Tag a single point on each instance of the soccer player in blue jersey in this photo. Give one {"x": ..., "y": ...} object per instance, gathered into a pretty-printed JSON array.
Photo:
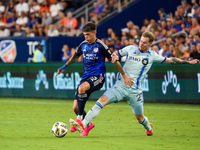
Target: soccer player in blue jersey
[
  {"x": 94, "y": 52},
  {"x": 139, "y": 61}
]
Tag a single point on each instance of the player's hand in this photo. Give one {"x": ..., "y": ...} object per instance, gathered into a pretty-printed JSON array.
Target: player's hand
[
  {"x": 194, "y": 61},
  {"x": 128, "y": 80},
  {"x": 114, "y": 58},
  {"x": 59, "y": 72},
  {"x": 61, "y": 69}
]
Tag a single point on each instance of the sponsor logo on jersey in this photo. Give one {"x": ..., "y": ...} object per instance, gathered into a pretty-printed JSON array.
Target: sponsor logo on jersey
[
  {"x": 8, "y": 51},
  {"x": 145, "y": 61},
  {"x": 134, "y": 58}
]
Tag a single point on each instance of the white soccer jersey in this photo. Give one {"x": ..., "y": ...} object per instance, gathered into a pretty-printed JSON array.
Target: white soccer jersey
[{"x": 137, "y": 64}]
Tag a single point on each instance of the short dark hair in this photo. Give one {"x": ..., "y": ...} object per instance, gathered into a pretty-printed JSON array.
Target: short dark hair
[{"x": 90, "y": 26}]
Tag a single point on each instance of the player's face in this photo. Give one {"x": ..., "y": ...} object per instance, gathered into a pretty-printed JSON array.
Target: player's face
[
  {"x": 90, "y": 37},
  {"x": 144, "y": 44}
]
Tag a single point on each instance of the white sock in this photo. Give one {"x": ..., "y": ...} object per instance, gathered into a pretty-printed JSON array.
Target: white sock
[
  {"x": 80, "y": 117},
  {"x": 145, "y": 124},
  {"x": 94, "y": 112}
]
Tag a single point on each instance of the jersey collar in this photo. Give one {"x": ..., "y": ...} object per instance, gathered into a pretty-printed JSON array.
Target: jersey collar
[
  {"x": 144, "y": 52},
  {"x": 94, "y": 42}
]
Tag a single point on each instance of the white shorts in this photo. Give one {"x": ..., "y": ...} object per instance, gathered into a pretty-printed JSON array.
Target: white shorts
[{"x": 119, "y": 92}]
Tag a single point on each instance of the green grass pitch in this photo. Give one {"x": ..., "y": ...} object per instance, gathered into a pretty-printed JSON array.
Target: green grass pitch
[{"x": 25, "y": 124}]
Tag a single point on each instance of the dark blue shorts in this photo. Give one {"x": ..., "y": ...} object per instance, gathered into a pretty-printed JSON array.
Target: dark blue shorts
[{"x": 96, "y": 83}]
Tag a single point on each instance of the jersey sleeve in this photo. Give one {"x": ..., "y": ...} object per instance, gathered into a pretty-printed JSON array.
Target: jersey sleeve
[
  {"x": 158, "y": 58},
  {"x": 106, "y": 51},
  {"x": 79, "y": 51},
  {"x": 123, "y": 52}
]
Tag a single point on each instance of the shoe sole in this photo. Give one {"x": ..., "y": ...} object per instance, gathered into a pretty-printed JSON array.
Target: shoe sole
[{"x": 76, "y": 125}]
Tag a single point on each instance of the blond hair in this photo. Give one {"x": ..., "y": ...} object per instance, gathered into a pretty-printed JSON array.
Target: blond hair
[{"x": 149, "y": 35}]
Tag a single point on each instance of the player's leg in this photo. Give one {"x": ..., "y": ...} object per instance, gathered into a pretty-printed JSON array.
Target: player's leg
[
  {"x": 91, "y": 84},
  {"x": 145, "y": 123},
  {"x": 82, "y": 97},
  {"x": 136, "y": 103},
  {"x": 95, "y": 110},
  {"x": 79, "y": 104},
  {"x": 114, "y": 94},
  {"x": 75, "y": 107},
  {"x": 86, "y": 125}
]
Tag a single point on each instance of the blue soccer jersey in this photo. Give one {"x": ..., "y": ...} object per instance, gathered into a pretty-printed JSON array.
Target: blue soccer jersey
[{"x": 93, "y": 58}]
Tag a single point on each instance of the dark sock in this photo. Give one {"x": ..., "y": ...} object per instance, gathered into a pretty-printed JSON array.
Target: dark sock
[{"x": 81, "y": 99}]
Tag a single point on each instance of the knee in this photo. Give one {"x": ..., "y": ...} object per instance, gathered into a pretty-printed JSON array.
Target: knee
[{"x": 81, "y": 90}]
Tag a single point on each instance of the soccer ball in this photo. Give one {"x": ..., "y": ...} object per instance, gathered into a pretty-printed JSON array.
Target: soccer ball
[{"x": 59, "y": 129}]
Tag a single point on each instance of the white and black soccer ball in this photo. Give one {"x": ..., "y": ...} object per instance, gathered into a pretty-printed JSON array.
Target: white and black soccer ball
[{"x": 59, "y": 129}]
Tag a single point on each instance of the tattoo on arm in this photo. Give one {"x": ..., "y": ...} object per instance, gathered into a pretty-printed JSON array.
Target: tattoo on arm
[
  {"x": 73, "y": 59},
  {"x": 119, "y": 67},
  {"x": 178, "y": 61}
]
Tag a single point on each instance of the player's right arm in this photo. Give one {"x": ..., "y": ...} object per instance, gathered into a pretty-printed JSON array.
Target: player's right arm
[{"x": 73, "y": 59}]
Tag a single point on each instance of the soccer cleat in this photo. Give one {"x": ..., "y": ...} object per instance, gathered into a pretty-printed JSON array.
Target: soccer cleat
[
  {"x": 150, "y": 133},
  {"x": 87, "y": 129},
  {"x": 77, "y": 124},
  {"x": 72, "y": 128}
]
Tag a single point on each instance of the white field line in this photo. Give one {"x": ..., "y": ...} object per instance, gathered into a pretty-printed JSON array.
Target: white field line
[{"x": 112, "y": 105}]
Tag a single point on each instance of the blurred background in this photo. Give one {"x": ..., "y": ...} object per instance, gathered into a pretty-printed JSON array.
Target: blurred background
[{"x": 54, "y": 27}]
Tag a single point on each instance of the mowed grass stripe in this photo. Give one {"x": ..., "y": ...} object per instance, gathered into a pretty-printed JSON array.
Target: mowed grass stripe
[
  {"x": 70, "y": 103},
  {"x": 26, "y": 125}
]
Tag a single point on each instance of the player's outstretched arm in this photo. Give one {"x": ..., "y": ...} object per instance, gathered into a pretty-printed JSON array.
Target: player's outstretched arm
[
  {"x": 73, "y": 59},
  {"x": 127, "y": 80},
  {"x": 180, "y": 61}
]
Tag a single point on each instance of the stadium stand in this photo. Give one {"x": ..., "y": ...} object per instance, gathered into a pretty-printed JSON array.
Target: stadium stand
[{"x": 29, "y": 18}]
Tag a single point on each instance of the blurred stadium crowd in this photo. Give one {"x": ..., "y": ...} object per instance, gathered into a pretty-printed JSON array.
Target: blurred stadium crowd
[{"x": 30, "y": 18}]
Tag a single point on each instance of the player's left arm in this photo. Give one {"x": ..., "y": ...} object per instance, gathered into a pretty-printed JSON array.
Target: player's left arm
[{"x": 180, "y": 61}]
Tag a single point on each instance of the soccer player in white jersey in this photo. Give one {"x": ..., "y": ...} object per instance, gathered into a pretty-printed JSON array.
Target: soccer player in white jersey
[{"x": 139, "y": 61}]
